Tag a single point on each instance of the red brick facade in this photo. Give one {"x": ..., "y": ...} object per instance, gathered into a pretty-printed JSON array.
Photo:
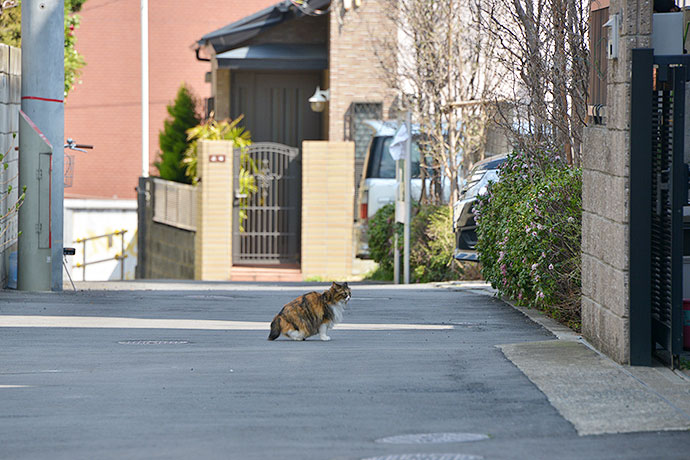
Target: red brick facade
[{"x": 105, "y": 109}]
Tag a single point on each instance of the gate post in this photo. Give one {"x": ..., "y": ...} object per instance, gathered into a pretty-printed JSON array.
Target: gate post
[
  {"x": 213, "y": 243},
  {"x": 641, "y": 207},
  {"x": 328, "y": 189}
]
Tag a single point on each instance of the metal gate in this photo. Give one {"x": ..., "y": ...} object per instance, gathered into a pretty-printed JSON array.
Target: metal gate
[
  {"x": 267, "y": 205},
  {"x": 657, "y": 200}
]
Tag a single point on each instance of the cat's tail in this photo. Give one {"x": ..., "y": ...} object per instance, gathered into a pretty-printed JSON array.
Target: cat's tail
[{"x": 275, "y": 329}]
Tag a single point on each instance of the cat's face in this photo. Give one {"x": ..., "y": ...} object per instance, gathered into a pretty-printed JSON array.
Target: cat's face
[{"x": 341, "y": 292}]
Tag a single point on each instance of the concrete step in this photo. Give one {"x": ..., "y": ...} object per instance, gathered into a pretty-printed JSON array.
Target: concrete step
[{"x": 266, "y": 273}]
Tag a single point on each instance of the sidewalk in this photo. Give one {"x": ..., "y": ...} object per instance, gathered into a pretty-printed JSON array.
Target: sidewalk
[{"x": 594, "y": 393}]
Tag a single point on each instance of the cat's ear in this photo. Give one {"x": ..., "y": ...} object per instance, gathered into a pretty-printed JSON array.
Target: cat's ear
[
  {"x": 345, "y": 284},
  {"x": 336, "y": 284}
]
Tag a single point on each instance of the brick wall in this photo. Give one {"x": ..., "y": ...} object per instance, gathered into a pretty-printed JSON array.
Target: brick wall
[
  {"x": 303, "y": 30},
  {"x": 355, "y": 74},
  {"x": 105, "y": 107},
  {"x": 327, "y": 214},
  {"x": 10, "y": 99},
  {"x": 605, "y": 197}
]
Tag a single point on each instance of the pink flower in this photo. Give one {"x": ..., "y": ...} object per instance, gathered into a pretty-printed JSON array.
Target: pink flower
[{"x": 550, "y": 266}]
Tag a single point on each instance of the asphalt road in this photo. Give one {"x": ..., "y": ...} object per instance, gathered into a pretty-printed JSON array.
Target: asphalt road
[{"x": 146, "y": 393}]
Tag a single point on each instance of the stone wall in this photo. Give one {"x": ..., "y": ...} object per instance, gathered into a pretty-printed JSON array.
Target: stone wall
[
  {"x": 10, "y": 101},
  {"x": 327, "y": 215},
  {"x": 605, "y": 197}
]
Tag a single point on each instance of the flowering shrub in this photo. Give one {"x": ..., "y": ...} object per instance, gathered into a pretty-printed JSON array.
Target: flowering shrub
[{"x": 529, "y": 227}]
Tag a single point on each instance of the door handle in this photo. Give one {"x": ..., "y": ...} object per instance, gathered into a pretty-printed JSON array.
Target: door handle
[{"x": 238, "y": 197}]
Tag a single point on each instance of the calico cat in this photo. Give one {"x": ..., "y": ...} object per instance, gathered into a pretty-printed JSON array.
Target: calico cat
[{"x": 311, "y": 313}]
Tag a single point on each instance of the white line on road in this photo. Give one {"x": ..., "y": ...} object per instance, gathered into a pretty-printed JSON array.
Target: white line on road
[{"x": 146, "y": 323}]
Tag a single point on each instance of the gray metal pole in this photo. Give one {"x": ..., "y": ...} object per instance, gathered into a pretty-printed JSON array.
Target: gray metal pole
[
  {"x": 398, "y": 199},
  {"x": 408, "y": 199},
  {"x": 43, "y": 80}
]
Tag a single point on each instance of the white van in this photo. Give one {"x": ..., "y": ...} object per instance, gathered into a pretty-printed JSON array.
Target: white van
[{"x": 377, "y": 186}]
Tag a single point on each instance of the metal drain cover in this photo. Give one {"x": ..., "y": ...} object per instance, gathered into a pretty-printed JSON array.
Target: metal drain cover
[
  {"x": 427, "y": 457},
  {"x": 431, "y": 438},
  {"x": 153, "y": 342}
]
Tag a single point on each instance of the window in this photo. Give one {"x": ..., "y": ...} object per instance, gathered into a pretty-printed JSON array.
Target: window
[{"x": 598, "y": 39}]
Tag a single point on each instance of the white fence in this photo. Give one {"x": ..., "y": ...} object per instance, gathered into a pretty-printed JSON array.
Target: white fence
[{"x": 174, "y": 204}]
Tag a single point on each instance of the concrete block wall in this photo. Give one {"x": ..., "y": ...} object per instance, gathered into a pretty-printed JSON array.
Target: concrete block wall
[
  {"x": 213, "y": 244},
  {"x": 164, "y": 251},
  {"x": 171, "y": 253},
  {"x": 355, "y": 73},
  {"x": 327, "y": 214},
  {"x": 10, "y": 101},
  {"x": 605, "y": 197}
]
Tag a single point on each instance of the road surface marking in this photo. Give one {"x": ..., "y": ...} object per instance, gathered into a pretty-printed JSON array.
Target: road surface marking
[{"x": 146, "y": 323}]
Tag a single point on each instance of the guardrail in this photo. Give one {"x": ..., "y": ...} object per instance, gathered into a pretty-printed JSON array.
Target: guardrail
[{"x": 121, "y": 256}]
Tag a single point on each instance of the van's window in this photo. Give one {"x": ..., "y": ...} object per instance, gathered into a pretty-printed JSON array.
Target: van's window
[{"x": 381, "y": 164}]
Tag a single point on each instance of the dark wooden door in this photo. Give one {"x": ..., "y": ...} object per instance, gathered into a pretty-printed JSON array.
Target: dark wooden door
[{"x": 276, "y": 105}]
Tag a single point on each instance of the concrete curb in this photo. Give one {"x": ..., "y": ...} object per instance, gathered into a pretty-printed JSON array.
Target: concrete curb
[{"x": 590, "y": 390}]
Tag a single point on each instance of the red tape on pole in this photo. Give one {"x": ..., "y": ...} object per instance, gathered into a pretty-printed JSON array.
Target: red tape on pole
[{"x": 43, "y": 99}]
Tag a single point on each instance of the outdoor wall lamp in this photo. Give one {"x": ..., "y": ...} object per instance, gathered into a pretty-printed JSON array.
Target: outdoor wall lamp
[{"x": 319, "y": 100}]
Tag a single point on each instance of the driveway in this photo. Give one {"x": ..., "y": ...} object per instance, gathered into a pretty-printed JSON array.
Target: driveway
[{"x": 185, "y": 371}]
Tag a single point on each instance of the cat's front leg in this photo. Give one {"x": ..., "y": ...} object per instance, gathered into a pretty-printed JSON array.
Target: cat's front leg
[{"x": 323, "y": 332}]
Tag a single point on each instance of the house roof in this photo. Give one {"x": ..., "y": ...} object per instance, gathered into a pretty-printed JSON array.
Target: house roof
[
  {"x": 275, "y": 56},
  {"x": 233, "y": 34}
]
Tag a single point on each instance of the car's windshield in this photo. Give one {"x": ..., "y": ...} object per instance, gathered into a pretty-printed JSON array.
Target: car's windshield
[
  {"x": 479, "y": 187},
  {"x": 381, "y": 164}
]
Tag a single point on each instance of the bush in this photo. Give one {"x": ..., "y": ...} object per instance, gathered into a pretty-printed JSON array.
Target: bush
[
  {"x": 173, "y": 139},
  {"x": 529, "y": 228},
  {"x": 380, "y": 231},
  {"x": 432, "y": 244}
]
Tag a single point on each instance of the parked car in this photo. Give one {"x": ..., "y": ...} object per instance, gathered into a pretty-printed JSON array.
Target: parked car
[
  {"x": 464, "y": 226},
  {"x": 377, "y": 186}
]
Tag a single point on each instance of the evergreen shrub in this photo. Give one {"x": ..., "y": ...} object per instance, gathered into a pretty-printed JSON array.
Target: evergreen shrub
[
  {"x": 173, "y": 140},
  {"x": 431, "y": 247}
]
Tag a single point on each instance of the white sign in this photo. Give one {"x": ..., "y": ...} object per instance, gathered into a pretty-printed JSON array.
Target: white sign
[{"x": 398, "y": 148}]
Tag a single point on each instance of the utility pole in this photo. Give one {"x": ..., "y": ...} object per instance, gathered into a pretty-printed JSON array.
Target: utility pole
[
  {"x": 144, "y": 6},
  {"x": 42, "y": 127}
]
